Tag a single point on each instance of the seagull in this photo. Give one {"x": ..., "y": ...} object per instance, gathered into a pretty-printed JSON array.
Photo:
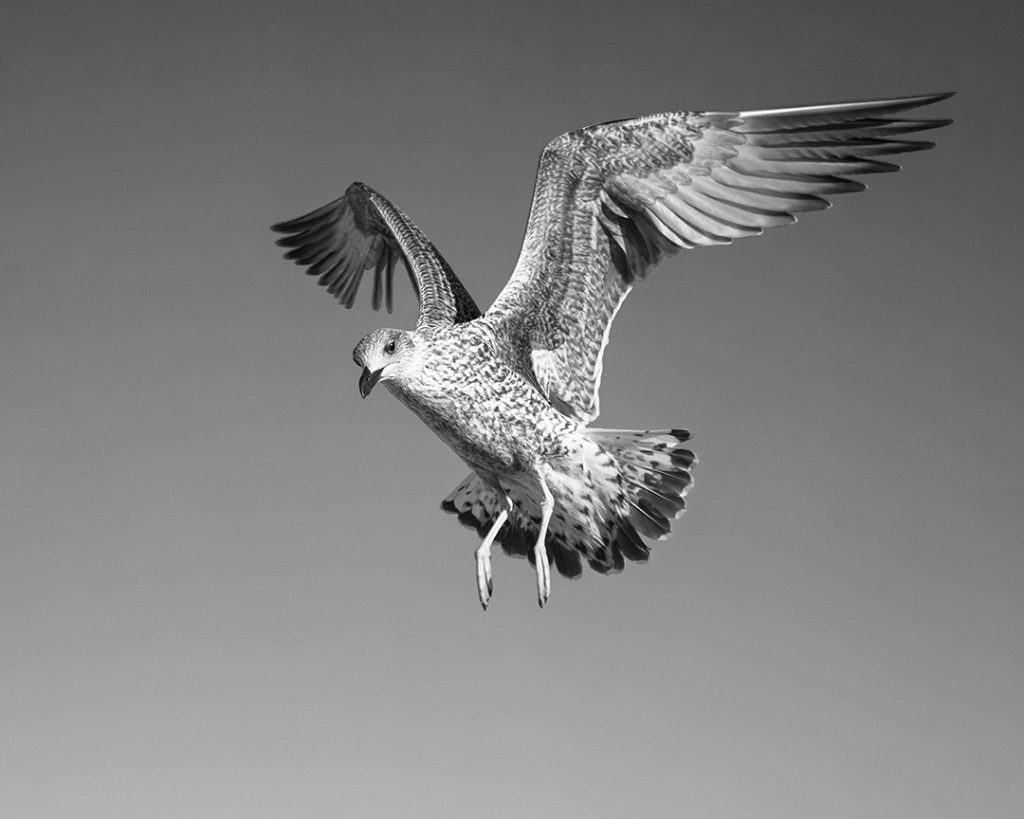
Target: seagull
[{"x": 513, "y": 390}]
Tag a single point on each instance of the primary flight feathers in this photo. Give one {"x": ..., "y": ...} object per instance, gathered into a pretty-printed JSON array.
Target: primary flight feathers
[
  {"x": 610, "y": 200},
  {"x": 362, "y": 231}
]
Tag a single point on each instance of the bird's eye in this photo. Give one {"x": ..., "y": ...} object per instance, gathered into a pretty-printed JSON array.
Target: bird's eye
[{"x": 389, "y": 348}]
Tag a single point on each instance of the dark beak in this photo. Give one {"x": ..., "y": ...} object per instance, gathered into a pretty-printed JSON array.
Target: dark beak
[{"x": 368, "y": 380}]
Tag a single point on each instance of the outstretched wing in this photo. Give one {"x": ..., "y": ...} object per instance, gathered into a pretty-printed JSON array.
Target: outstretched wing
[
  {"x": 612, "y": 199},
  {"x": 362, "y": 231}
]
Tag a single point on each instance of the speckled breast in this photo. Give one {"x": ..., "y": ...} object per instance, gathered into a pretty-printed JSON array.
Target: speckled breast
[{"x": 485, "y": 411}]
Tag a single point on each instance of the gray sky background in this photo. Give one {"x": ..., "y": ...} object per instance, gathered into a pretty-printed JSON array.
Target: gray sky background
[{"x": 225, "y": 585}]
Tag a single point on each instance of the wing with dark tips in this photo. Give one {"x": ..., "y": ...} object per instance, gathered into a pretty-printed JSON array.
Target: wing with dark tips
[
  {"x": 611, "y": 200},
  {"x": 363, "y": 231}
]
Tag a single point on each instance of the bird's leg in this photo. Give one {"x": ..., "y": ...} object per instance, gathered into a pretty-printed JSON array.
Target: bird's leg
[
  {"x": 540, "y": 552},
  {"x": 483, "y": 556}
]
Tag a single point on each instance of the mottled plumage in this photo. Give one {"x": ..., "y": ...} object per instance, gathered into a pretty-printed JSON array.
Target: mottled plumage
[{"x": 512, "y": 390}]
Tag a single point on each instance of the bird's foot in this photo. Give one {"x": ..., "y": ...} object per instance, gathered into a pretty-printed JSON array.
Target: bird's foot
[
  {"x": 483, "y": 556},
  {"x": 484, "y": 586},
  {"x": 540, "y": 555}
]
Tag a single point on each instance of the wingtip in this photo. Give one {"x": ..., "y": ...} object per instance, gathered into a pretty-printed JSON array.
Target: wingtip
[
  {"x": 875, "y": 107},
  {"x": 922, "y": 100},
  {"x": 295, "y": 225},
  {"x": 919, "y": 99}
]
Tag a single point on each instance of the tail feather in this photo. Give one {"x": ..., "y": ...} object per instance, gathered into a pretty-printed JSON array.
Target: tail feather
[
  {"x": 666, "y": 505},
  {"x": 655, "y": 458},
  {"x": 654, "y": 469},
  {"x": 648, "y": 521},
  {"x": 630, "y": 543},
  {"x": 567, "y": 561},
  {"x": 631, "y": 486},
  {"x": 473, "y": 502}
]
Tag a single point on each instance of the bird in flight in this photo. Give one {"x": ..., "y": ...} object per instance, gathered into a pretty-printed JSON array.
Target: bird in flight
[{"x": 513, "y": 390}]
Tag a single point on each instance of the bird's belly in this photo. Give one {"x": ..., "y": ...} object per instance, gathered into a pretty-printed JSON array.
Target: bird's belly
[{"x": 490, "y": 432}]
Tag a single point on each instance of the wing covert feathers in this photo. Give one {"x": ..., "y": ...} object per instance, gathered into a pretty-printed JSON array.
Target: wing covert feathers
[
  {"x": 363, "y": 231},
  {"x": 611, "y": 200}
]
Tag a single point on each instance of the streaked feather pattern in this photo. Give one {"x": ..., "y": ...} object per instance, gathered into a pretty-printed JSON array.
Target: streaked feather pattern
[
  {"x": 361, "y": 231},
  {"x": 612, "y": 199}
]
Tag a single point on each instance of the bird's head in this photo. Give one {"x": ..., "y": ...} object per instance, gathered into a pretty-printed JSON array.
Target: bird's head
[{"x": 383, "y": 355}]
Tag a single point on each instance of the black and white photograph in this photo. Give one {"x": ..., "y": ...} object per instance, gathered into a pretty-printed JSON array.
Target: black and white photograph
[{"x": 565, "y": 409}]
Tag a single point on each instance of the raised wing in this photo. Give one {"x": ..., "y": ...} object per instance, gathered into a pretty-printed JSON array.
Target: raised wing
[
  {"x": 363, "y": 231},
  {"x": 612, "y": 199}
]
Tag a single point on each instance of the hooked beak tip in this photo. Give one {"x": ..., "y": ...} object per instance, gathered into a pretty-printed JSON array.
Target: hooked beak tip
[{"x": 368, "y": 380}]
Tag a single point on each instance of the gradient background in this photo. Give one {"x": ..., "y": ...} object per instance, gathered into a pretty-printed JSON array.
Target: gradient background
[{"x": 226, "y": 588}]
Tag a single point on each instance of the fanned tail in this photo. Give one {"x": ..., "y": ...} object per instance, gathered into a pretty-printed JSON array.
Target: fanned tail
[
  {"x": 631, "y": 483},
  {"x": 654, "y": 468}
]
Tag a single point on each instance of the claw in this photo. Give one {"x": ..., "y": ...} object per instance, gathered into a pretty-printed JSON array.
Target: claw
[
  {"x": 483, "y": 576},
  {"x": 484, "y": 584},
  {"x": 543, "y": 574},
  {"x": 540, "y": 552}
]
